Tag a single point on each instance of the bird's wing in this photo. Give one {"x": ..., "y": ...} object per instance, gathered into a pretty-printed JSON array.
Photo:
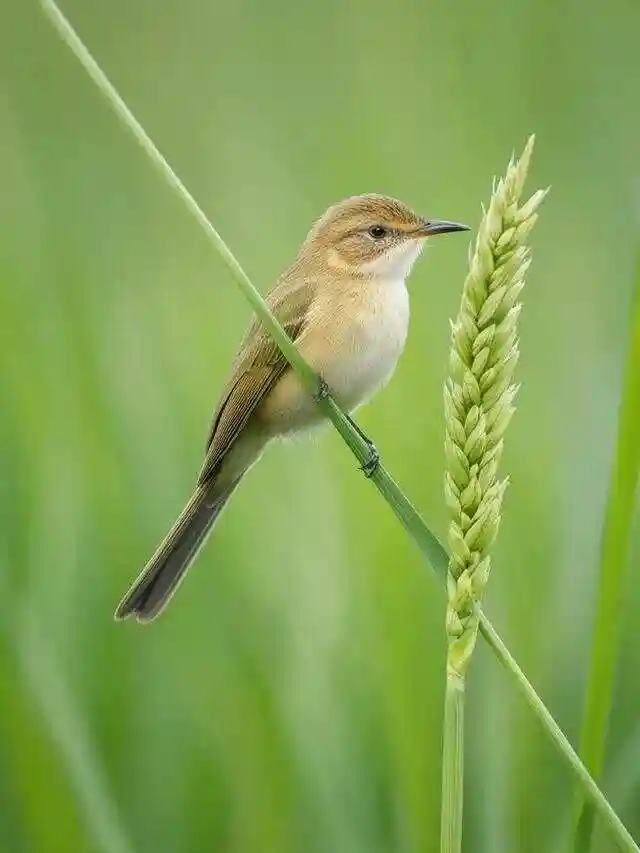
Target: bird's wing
[{"x": 257, "y": 367}]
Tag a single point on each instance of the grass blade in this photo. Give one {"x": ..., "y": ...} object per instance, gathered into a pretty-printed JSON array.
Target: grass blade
[
  {"x": 65, "y": 725},
  {"x": 618, "y": 831},
  {"x": 613, "y": 561}
]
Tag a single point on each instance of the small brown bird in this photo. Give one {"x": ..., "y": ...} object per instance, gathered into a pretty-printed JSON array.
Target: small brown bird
[{"x": 345, "y": 304}]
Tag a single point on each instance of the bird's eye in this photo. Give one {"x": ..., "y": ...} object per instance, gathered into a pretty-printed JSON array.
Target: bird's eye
[{"x": 377, "y": 232}]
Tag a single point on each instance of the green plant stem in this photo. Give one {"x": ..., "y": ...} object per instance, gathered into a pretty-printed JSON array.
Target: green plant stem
[
  {"x": 61, "y": 717},
  {"x": 452, "y": 765},
  {"x": 613, "y": 562},
  {"x": 619, "y": 832},
  {"x": 411, "y": 520}
]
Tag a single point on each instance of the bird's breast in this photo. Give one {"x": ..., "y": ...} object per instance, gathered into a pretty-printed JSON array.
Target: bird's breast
[
  {"x": 353, "y": 337},
  {"x": 365, "y": 338}
]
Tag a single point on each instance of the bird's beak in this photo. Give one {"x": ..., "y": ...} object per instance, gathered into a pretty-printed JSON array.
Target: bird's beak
[{"x": 431, "y": 227}]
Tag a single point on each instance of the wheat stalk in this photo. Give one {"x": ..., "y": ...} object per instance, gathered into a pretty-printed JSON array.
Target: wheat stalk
[
  {"x": 478, "y": 398},
  {"x": 478, "y": 405}
]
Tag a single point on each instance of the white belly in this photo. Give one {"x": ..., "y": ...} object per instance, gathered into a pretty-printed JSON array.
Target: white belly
[
  {"x": 354, "y": 342},
  {"x": 366, "y": 348}
]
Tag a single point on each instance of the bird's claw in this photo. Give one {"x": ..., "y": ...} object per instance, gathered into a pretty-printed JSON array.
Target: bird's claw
[
  {"x": 322, "y": 390},
  {"x": 370, "y": 464}
]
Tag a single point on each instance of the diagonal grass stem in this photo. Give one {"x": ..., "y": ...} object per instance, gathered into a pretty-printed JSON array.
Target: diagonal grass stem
[{"x": 613, "y": 562}]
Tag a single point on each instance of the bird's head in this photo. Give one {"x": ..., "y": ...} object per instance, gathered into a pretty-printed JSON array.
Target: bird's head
[{"x": 372, "y": 235}]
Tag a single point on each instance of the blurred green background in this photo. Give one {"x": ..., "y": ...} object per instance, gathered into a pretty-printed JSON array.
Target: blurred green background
[{"x": 291, "y": 698}]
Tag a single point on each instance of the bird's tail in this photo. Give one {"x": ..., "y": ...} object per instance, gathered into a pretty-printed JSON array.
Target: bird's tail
[{"x": 161, "y": 576}]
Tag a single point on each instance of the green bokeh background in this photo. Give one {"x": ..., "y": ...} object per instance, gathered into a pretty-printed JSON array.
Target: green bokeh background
[{"x": 291, "y": 698}]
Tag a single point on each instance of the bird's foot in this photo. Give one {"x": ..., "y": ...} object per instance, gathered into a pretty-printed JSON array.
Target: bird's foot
[
  {"x": 371, "y": 463},
  {"x": 322, "y": 391}
]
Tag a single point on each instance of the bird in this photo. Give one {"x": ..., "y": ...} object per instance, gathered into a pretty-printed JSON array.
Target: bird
[{"x": 344, "y": 303}]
